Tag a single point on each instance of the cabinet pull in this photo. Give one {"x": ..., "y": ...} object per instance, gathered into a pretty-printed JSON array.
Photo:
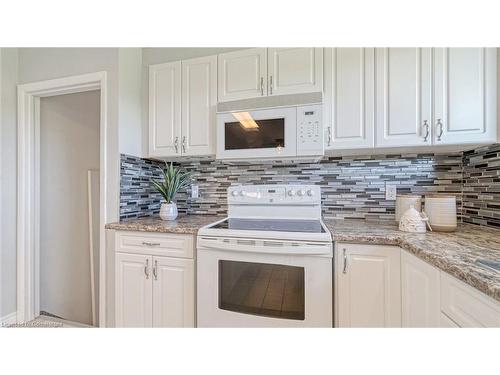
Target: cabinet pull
[
  {"x": 270, "y": 85},
  {"x": 176, "y": 145},
  {"x": 146, "y": 269},
  {"x": 261, "y": 86},
  {"x": 184, "y": 144},
  {"x": 155, "y": 270},
  {"x": 440, "y": 127},
  {"x": 426, "y": 126},
  {"x": 345, "y": 263},
  {"x": 151, "y": 243},
  {"x": 329, "y": 135}
]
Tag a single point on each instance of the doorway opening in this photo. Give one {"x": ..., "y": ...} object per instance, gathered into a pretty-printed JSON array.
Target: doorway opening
[{"x": 62, "y": 127}]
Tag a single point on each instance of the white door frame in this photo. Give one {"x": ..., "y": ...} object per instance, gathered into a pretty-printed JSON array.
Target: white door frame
[{"x": 28, "y": 186}]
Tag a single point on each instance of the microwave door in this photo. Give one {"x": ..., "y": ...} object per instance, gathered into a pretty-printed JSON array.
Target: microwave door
[{"x": 265, "y": 133}]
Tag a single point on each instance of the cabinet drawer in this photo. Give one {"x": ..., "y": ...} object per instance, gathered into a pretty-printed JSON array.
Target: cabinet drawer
[
  {"x": 163, "y": 244},
  {"x": 467, "y": 306}
]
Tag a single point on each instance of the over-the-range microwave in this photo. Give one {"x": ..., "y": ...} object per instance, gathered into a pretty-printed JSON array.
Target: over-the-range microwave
[{"x": 291, "y": 132}]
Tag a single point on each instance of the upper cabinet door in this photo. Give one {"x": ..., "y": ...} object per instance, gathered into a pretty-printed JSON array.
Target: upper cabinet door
[
  {"x": 173, "y": 292},
  {"x": 199, "y": 99},
  {"x": 403, "y": 97},
  {"x": 242, "y": 74},
  {"x": 295, "y": 70},
  {"x": 133, "y": 290},
  {"x": 368, "y": 285},
  {"x": 465, "y": 95},
  {"x": 349, "y": 97},
  {"x": 165, "y": 109}
]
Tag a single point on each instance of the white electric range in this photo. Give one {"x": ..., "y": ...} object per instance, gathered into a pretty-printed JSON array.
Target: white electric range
[{"x": 269, "y": 263}]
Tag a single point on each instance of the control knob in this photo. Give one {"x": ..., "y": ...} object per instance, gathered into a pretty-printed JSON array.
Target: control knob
[
  {"x": 300, "y": 193},
  {"x": 291, "y": 193},
  {"x": 234, "y": 193},
  {"x": 242, "y": 193},
  {"x": 310, "y": 193}
]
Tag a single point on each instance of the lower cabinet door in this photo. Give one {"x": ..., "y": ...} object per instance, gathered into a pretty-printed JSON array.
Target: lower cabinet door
[
  {"x": 368, "y": 285},
  {"x": 133, "y": 288},
  {"x": 173, "y": 292},
  {"x": 419, "y": 292}
]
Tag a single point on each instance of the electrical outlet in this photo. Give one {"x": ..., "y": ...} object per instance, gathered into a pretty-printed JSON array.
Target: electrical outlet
[
  {"x": 195, "y": 192},
  {"x": 390, "y": 192}
]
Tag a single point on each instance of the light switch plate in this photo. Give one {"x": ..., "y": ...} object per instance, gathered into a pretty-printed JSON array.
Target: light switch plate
[
  {"x": 195, "y": 192},
  {"x": 390, "y": 192}
]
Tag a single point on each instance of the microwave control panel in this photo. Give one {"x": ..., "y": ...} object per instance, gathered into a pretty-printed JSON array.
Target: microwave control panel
[{"x": 309, "y": 130}]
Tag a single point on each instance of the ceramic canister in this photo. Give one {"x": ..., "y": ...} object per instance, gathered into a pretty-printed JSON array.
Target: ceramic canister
[
  {"x": 442, "y": 212},
  {"x": 404, "y": 202}
]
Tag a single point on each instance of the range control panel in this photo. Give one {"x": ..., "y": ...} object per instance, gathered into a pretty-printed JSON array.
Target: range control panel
[
  {"x": 309, "y": 130},
  {"x": 274, "y": 194}
]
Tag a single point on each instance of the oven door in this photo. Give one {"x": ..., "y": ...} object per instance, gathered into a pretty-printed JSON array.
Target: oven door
[
  {"x": 267, "y": 133},
  {"x": 242, "y": 288}
]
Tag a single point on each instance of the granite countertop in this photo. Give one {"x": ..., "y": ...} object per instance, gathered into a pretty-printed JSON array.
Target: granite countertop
[
  {"x": 184, "y": 224},
  {"x": 453, "y": 252}
]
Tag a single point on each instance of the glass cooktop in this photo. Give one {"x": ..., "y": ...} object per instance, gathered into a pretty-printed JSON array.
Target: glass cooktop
[{"x": 275, "y": 225}]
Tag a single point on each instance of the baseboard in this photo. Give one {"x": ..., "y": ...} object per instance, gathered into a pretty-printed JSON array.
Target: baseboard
[{"x": 8, "y": 319}]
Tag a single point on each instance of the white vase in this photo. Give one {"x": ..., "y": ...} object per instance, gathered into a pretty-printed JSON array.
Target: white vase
[{"x": 168, "y": 211}]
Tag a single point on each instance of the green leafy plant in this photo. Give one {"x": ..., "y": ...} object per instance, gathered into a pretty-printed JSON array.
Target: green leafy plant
[{"x": 175, "y": 179}]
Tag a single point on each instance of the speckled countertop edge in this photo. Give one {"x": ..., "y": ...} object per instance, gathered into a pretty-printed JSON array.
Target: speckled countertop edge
[{"x": 453, "y": 253}]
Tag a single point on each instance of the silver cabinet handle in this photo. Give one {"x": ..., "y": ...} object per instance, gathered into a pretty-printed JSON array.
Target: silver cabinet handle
[
  {"x": 261, "y": 86},
  {"x": 151, "y": 243},
  {"x": 270, "y": 85},
  {"x": 329, "y": 135},
  {"x": 439, "y": 125},
  {"x": 184, "y": 144},
  {"x": 146, "y": 269},
  {"x": 176, "y": 145},
  {"x": 345, "y": 263},
  {"x": 155, "y": 270},
  {"x": 426, "y": 126}
]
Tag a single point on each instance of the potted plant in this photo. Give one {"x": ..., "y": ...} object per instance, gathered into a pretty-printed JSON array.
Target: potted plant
[{"x": 175, "y": 179}]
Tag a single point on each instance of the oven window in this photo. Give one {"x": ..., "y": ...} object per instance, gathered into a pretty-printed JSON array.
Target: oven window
[
  {"x": 247, "y": 133},
  {"x": 263, "y": 289}
]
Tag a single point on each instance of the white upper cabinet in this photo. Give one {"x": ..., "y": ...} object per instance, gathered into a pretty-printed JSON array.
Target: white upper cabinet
[
  {"x": 349, "y": 97},
  {"x": 465, "y": 95},
  {"x": 182, "y": 105},
  {"x": 403, "y": 97},
  {"x": 242, "y": 74},
  {"x": 295, "y": 70},
  {"x": 199, "y": 99},
  {"x": 173, "y": 292},
  {"x": 420, "y": 283},
  {"x": 165, "y": 109},
  {"x": 256, "y": 72},
  {"x": 368, "y": 285}
]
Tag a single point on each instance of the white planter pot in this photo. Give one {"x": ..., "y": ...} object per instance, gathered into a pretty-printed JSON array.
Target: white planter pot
[{"x": 168, "y": 211}]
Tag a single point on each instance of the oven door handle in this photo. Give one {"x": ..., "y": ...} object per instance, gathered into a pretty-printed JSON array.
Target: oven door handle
[{"x": 264, "y": 246}]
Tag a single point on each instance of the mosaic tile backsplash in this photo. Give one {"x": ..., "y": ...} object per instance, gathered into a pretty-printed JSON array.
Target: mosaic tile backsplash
[
  {"x": 137, "y": 197},
  {"x": 481, "y": 186},
  {"x": 352, "y": 187}
]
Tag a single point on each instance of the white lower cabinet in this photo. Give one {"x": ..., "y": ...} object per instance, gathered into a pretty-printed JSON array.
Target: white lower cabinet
[
  {"x": 419, "y": 292},
  {"x": 133, "y": 290},
  {"x": 153, "y": 290},
  {"x": 385, "y": 286},
  {"x": 368, "y": 286}
]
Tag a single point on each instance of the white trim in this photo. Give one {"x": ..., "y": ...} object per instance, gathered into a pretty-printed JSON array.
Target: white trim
[
  {"x": 28, "y": 213},
  {"x": 8, "y": 319}
]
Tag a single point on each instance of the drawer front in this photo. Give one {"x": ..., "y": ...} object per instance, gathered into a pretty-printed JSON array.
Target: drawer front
[
  {"x": 467, "y": 306},
  {"x": 162, "y": 244}
]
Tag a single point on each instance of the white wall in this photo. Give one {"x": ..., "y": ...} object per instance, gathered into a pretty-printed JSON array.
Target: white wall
[
  {"x": 8, "y": 149},
  {"x": 69, "y": 148}
]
